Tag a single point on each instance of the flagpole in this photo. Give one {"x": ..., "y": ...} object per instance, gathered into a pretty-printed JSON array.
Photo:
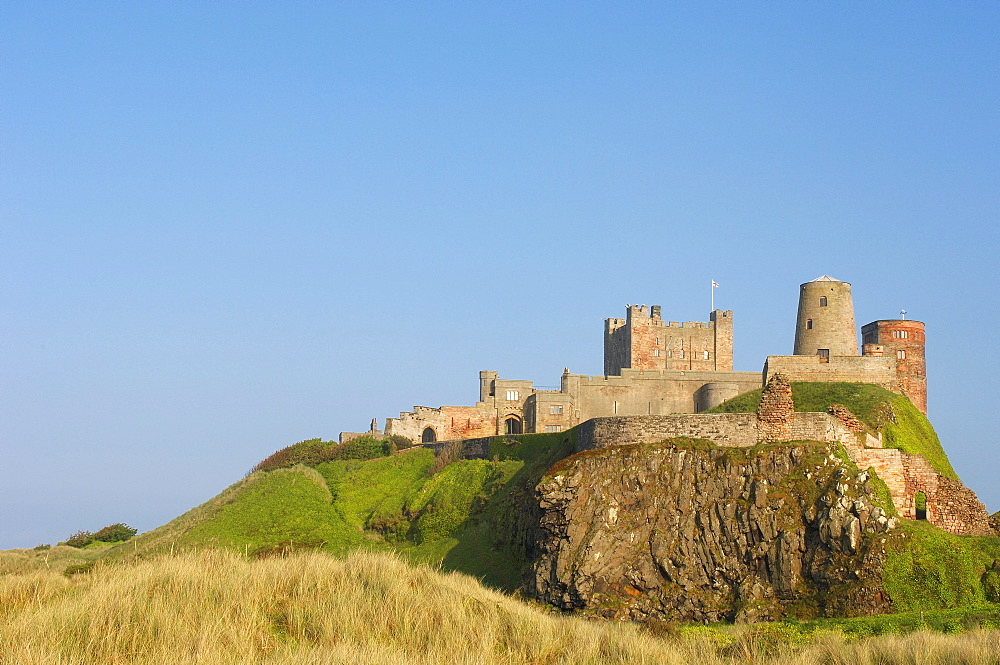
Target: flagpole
[{"x": 713, "y": 296}]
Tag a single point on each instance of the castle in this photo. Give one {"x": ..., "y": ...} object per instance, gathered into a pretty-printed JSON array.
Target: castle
[
  {"x": 660, "y": 376},
  {"x": 658, "y": 367}
]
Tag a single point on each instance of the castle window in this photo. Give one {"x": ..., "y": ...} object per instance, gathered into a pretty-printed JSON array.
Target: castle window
[
  {"x": 552, "y": 428},
  {"x": 682, "y": 354},
  {"x": 900, "y": 334},
  {"x": 809, "y": 324},
  {"x": 822, "y": 301},
  {"x": 901, "y": 354},
  {"x": 513, "y": 425},
  {"x": 824, "y": 355},
  {"x": 670, "y": 353},
  {"x": 556, "y": 409},
  {"x": 656, "y": 352},
  {"x": 512, "y": 396},
  {"x": 706, "y": 355}
]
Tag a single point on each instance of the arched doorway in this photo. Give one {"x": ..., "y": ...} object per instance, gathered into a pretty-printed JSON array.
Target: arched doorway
[
  {"x": 920, "y": 506},
  {"x": 513, "y": 425},
  {"x": 428, "y": 436}
]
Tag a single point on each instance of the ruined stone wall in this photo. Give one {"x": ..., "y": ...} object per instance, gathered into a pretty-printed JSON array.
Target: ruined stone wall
[
  {"x": 950, "y": 504},
  {"x": 957, "y": 509}
]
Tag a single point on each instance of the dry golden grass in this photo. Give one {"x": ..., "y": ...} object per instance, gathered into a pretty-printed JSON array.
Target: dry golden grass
[{"x": 216, "y": 607}]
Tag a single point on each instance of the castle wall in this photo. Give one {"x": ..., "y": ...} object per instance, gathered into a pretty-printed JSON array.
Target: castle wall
[
  {"x": 658, "y": 392},
  {"x": 851, "y": 369},
  {"x": 725, "y": 429}
]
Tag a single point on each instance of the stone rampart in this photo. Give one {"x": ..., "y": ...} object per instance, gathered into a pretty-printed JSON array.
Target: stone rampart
[
  {"x": 879, "y": 370},
  {"x": 725, "y": 429}
]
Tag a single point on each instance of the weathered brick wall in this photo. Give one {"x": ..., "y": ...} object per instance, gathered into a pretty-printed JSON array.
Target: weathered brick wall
[
  {"x": 844, "y": 415},
  {"x": 775, "y": 409},
  {"x": 958, "y": 510}
]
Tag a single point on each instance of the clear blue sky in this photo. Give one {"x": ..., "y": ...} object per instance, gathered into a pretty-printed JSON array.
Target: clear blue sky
[{"x": 228, "y": 227}]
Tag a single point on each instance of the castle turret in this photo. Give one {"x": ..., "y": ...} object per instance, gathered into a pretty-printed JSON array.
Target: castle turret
[
  {"x": 825, "y": 323},
  {"x": 903, "y": 339}
]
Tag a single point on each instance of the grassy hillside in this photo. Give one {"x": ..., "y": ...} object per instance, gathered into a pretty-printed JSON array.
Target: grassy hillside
[
  {"x": 465, "y": 515},
  {"x": 217, "y": 607},
  {"x": 903, "y": 426}
]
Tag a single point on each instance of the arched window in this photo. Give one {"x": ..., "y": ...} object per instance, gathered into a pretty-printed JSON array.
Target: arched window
[
  {"x": 428, "y": 436},
  {"x": 920, "y": 506},
  {"x": 901, "y": 354},
  {"x": 822, "y": 301},
  {"x": 512, "y": 425}
]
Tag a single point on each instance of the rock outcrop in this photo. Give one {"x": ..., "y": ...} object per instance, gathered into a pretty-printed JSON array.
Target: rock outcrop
[{"x": 688, "y": 531}]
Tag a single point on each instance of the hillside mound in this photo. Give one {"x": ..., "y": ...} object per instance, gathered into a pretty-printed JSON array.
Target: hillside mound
[{"x": 429, "y": 506}]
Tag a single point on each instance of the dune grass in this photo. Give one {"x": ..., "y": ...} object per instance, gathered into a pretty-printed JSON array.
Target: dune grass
[{"x": 213, "y": 607}]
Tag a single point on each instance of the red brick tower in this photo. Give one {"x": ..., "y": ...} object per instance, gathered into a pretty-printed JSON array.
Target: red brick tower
[{"x": 905, "y": 340}]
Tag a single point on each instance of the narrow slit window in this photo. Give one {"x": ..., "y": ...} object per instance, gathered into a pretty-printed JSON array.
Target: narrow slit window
[
  {"x": 901, "y": 354},
  {"x": 809, "y": 324}
]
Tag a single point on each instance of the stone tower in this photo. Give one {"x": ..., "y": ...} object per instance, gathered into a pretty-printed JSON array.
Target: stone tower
[
  {"x": 825, "y": 322},
  {"x": 643, "y": 340},
  {"x": 904, "y": 340}
]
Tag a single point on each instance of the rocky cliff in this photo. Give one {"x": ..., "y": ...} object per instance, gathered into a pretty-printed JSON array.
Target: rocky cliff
[{"x": 685, "y": 530}]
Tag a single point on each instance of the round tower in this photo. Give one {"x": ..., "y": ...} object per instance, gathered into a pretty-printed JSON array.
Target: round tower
[{"x": 825, "y": 322}]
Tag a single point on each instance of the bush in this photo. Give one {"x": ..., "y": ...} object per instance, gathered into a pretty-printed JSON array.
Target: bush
[
  {"x": 113, "y": 533},
  {"x": 80, "y": 539},
  {"x": 312, "y": 452}
]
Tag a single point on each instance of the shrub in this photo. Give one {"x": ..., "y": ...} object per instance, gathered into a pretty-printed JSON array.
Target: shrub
[
  {"x": 400, "y": 441},
  {"x": 80, "y": 539},
  {"x": 316, "y": 451},
  {"x": 115, "y": 533}
]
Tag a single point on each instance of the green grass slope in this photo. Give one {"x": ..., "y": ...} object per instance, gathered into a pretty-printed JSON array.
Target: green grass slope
[
  {"x": 903, "y": 426},
  {"x": 466, "y": 516}
]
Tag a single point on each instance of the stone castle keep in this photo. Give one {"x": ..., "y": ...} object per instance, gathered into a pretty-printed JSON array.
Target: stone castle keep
[{"x": 659, "y": 376}]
